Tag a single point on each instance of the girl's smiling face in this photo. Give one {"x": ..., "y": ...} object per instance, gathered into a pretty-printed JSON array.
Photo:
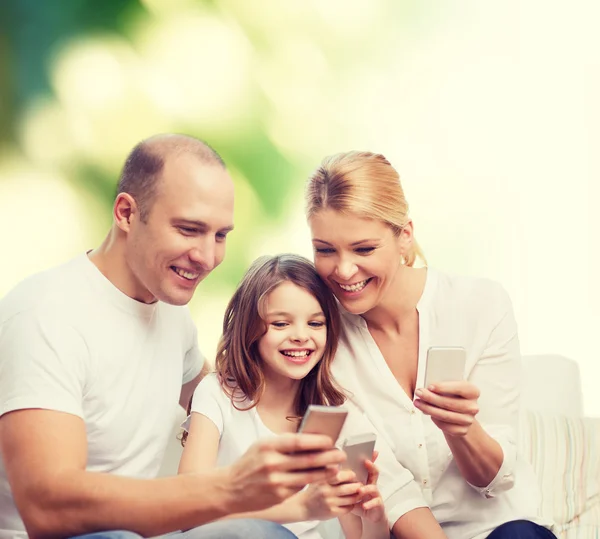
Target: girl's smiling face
[{"x": 296, "y": 333}]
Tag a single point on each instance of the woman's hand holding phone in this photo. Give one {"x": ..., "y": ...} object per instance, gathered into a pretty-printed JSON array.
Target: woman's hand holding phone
[{"x": 452, "y": 406}]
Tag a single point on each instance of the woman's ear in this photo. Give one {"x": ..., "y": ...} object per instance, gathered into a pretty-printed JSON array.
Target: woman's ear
[{"x": 405, "y": 238}]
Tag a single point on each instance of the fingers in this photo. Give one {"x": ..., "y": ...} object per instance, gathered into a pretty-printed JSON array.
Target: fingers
[
  {"x": 294, "y": 443},
  {"x": 343, "y": 476},
  {"x": 373, "y": 503},
  {"x": 447, "y": 416},
  {"x": 451, "y": 428},
  {"x": 462, "y": 388},
  {"x": 295, "y": 478},
  {"x": 371, "y": 497},
  {"x": 348, "y": 493},
  {"x": 452, "y": 403},
  {"x": 373, "y": 472},
  {"x": 315, "y": 459}
]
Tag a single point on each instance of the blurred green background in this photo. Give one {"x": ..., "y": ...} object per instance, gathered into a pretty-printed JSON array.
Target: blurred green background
[{"x": 488, "y": 110}]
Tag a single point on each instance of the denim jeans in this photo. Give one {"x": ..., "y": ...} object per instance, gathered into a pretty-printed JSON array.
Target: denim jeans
[
  {"x": 226, "y": 529},
  {"x": 521, "y": 529}
]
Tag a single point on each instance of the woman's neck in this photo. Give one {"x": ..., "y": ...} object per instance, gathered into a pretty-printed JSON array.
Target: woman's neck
[{"x": 400, "y": 300}]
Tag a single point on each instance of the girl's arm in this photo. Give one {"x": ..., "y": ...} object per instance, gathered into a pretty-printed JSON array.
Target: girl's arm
[
  {"x": 201, "y": 447},
  {"x": 355, "y": 527},
  {"x": 368, "y": 519}
]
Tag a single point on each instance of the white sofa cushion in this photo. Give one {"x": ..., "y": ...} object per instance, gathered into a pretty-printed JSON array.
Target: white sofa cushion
[
  {"x": 565, "y": 454},
  {"x": 551, "y": 384}
]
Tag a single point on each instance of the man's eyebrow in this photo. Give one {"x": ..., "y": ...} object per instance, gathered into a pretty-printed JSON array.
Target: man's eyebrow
[{"x": 202, "y": 224}]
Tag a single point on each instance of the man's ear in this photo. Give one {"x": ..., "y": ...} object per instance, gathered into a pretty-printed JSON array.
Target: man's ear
[{"x": 125, "y": 210}]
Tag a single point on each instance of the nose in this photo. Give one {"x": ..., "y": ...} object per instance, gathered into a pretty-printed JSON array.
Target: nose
[
  {"x": 204, "y": 254},
  {"x": 345, "y": 269},
  {"x": 299, "y": 335}
]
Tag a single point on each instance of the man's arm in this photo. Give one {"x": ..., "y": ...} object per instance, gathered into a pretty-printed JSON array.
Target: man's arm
[{"x": 45, "y": 455}]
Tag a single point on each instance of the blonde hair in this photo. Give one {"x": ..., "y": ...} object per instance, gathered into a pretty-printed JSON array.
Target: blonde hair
[{"x": 364, "y": 184}]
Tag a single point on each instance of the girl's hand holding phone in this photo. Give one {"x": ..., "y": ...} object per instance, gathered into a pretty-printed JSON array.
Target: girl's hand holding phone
[
  {"x": 335, "y": 498},
  {"x": 370, "y": 506},
  {"x": 452, "y": 406}
]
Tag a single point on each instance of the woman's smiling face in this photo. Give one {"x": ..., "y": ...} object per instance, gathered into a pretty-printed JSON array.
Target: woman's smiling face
[{"x": 357, "y": 258}]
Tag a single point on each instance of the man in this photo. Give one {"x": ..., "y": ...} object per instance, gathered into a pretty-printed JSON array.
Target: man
[{"x": 95, "y": 355}]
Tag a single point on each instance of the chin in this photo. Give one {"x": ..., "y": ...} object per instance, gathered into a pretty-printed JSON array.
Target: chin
[
  {"x": 175, "y": 299},
  {"x": 355, "y": 308}
]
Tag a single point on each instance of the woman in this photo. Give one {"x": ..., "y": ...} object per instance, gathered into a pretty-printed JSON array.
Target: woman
[{"x": 457, "y": 438}]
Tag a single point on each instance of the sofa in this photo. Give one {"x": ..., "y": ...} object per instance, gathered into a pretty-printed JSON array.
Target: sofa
[{"x": 562, "y": 445}]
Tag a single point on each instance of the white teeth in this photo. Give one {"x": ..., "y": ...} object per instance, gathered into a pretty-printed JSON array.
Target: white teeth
[
  {"x": 186, "y": 274},
  {"x": 296, "y": 353},
  {"x": 356, "y": 287}
]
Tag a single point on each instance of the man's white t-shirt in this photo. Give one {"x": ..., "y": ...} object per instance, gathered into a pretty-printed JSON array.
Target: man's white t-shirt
[
  {"x": 239, "y": 429},
  {"x": 70, "y": 341}
]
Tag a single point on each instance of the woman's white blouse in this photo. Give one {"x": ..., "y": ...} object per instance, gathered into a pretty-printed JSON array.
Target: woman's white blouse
[{"x": 453, "y": 311}]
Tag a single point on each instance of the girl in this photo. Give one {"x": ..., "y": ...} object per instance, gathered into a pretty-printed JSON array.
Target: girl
[{"x": 279, "y": 336}]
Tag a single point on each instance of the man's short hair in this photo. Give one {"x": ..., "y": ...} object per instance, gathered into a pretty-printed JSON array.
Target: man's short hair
[{"x": 144, "y": 165}]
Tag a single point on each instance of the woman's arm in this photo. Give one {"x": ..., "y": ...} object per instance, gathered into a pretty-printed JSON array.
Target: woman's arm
[
  {"x": 418, "y": 524},
  {"x": 477, "y": 455},
  {"x": 484, "y": 449},
  {"x": 452, "y": 407}
]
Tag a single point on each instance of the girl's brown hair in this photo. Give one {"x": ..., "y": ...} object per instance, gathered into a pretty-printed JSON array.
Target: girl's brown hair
[
  {"x": 238, "y": 363},
  {"x": 364, "y": 184}
]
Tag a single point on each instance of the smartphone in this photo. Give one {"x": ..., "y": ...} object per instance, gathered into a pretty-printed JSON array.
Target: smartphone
[
  {"x": 359, "y": 448},
  {"x": 445, "y": 364},
  {"x": 327, "y": 420}
]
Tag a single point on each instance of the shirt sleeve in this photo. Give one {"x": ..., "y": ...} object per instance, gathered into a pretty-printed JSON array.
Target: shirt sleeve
[
  {"x": 208, "y": 400},
  {"x": 399, "y": 490},
  {"x": 42, "y": 365},
  {"x": 497, "y": 374},
  {"x": 193, "y": 360}
]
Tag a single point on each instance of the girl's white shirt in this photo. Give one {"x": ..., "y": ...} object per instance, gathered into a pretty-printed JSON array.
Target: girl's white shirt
[
  {"x": 453, "y": 311},
  {"x": 239, "y": 429}
]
